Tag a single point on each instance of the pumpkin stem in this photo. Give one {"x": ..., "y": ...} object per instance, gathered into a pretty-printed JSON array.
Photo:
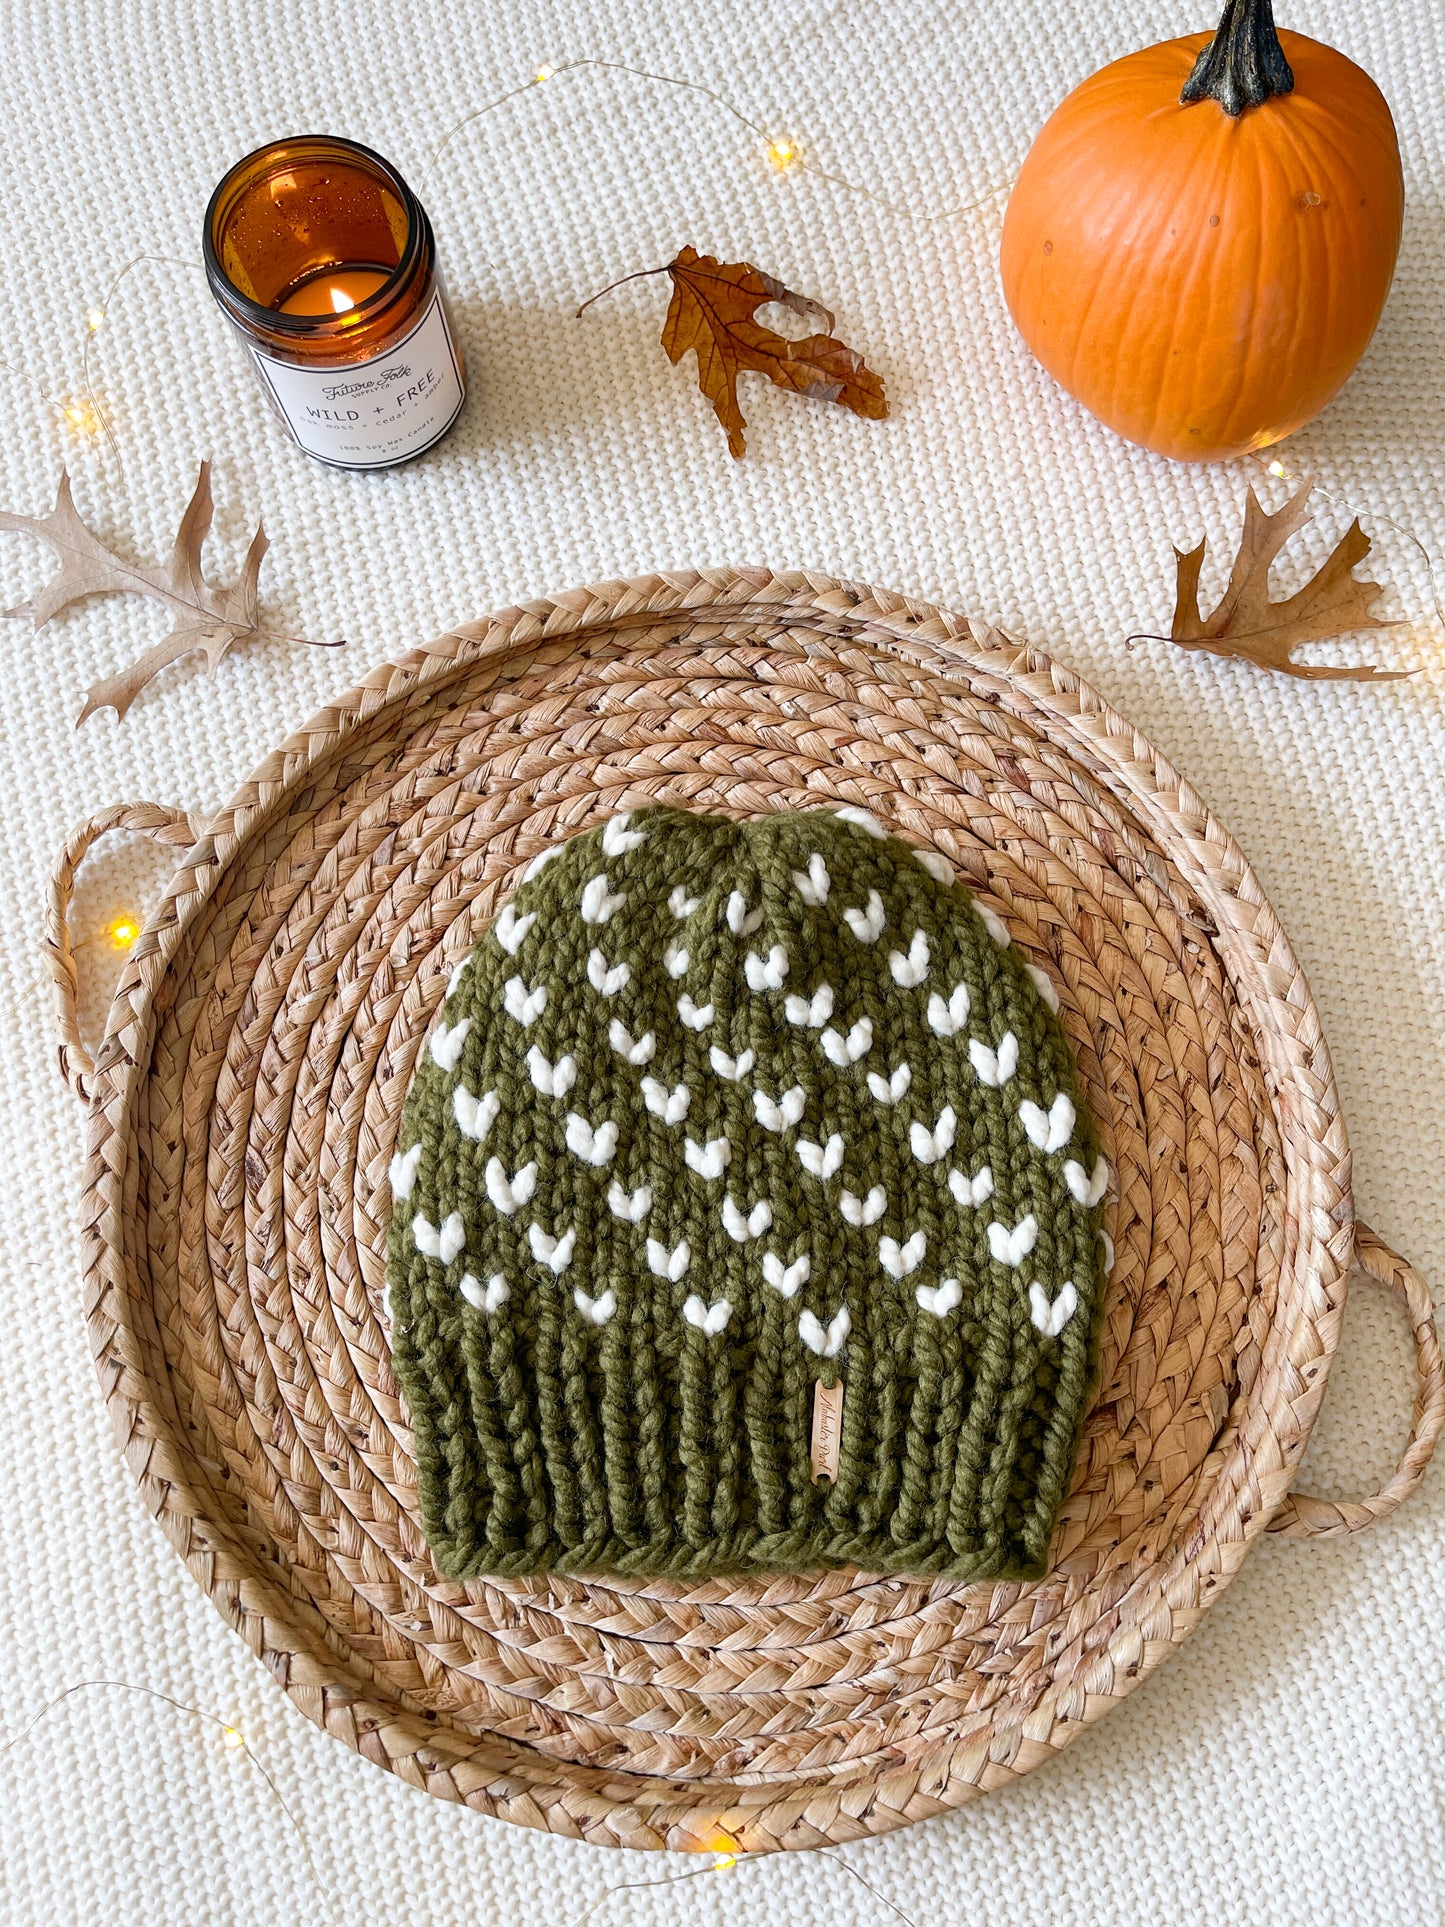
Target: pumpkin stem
[{"x": 1244, "y": 64}]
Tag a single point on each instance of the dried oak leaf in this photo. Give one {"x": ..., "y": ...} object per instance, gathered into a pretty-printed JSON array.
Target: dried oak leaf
[
  {"x": 1247, "y": 624},
  {"x": 204, "y": 616},
  {"x": 712, "y": 314}
]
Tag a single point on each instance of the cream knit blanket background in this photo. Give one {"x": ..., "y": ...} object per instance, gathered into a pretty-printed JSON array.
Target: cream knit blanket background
[{"x": 1286, "y": 1766}]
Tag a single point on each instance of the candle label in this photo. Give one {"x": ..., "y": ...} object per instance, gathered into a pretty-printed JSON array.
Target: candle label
[{"x": 372, "y": 413}]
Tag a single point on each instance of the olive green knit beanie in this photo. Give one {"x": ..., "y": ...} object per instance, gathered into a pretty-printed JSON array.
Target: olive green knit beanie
[{"x": 747, "y": 1216}]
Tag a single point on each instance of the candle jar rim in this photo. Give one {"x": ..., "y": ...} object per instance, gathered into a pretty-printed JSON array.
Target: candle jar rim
[{"x": 276, "y": 321}]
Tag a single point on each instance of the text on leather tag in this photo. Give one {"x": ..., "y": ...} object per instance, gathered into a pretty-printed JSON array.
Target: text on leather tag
[{"x": 827, "y": 1429}]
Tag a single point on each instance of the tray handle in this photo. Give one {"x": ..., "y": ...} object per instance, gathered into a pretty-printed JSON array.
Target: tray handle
[
  {"x": 157, "y": 820},
  {"x": 1301, "y": 1517}
]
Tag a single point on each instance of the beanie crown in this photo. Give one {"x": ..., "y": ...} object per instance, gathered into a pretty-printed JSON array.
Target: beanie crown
[{"x": 717, "y": 1114}]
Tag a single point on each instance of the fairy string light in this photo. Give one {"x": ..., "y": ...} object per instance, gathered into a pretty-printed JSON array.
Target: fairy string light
[
  {"x": 781, "y": 151},
  {"x": 724, "y": 1863},
  {"x": 122, "y": 931},
  {"x": 1279, "y": 469},
  {"x": 78, "y": 414},
  {"x": 95, "y": 320},
  {"x": 784, "y": 155},
  {"x": 231, "y": 1736},
  {"x": 234, "y": 1740}
]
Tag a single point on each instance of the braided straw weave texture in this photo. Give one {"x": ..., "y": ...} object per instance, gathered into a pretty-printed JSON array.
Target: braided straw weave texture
[{"x": 247, "y": 1101}]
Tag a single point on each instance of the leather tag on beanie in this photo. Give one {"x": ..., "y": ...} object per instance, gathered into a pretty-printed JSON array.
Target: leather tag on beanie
[{"x": 827, "y": 1429}]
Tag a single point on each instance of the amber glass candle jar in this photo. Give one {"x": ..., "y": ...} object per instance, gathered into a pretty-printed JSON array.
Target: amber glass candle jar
[{"x": 323, "y": 261}]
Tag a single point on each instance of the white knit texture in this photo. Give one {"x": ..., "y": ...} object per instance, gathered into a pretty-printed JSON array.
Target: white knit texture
[{"x": 1286, "y": 1765}]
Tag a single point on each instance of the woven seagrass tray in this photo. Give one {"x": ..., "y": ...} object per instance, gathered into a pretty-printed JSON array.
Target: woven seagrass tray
[{"x": 244, "y": 1105}]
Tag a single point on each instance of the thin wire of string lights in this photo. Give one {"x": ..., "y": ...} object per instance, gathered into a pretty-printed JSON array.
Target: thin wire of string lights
[
  {"x": 722, "y": 1858},
  {"x": 87, "y": 415}
]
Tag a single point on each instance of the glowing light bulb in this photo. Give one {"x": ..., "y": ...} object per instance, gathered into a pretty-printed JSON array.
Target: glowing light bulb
[
  {"x": 123, "y": 930},
  {"x": 1277, "y": 468},
  {"x": 94, "y": 318},
  {"x": 233, "y": 1738},
  {"x": 545, "y": 73},
  {"x": 79, "y": 415},
  {"x": 722, "y": 1846},
  {"x": 782, "y": 153}
]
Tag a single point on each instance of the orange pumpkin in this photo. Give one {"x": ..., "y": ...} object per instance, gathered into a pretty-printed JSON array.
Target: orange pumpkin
[{"x": 1202, "y": 237}]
